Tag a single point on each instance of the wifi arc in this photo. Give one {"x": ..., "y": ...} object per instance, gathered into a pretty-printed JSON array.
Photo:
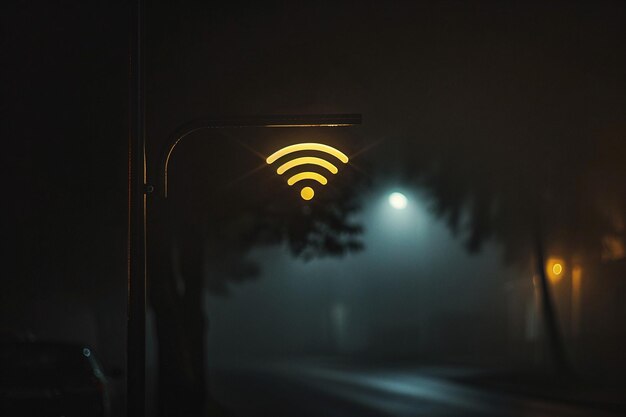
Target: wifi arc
[{"x": 307, "y": 193}]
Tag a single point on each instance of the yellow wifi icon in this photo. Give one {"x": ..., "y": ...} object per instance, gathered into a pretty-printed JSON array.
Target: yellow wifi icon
[{"x": 307, "y": 193}]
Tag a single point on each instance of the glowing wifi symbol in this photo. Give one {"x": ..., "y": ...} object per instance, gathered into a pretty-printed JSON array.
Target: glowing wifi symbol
[{"x": 307, "y": 193}]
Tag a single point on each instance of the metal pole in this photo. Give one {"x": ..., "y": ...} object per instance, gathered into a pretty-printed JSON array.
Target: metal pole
[{"x": 136, "y": 313}]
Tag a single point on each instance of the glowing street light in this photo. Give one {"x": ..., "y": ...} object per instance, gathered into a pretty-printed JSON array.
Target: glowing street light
[
  {"x": 398, "y": 201},
  {"x": 269, "y": 121},
  {"x": 141, "y": 187}
]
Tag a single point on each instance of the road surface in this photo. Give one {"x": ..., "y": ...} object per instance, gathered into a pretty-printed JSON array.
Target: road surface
[{"x": 316, "y": 389}]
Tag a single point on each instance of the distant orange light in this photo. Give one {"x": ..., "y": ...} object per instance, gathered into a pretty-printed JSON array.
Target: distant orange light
[{"x": 555, "y": 267}]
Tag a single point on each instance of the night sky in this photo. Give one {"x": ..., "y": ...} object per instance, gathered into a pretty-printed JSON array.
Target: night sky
[{"x": 487, "y": 115}]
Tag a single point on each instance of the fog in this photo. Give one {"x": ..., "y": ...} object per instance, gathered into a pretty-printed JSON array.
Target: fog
[
  {"x": 501, "y": 122},
  {"x": 413, "y": 290}
]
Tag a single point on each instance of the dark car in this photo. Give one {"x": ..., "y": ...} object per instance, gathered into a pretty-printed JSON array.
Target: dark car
[{"x": 51, "y": 379}]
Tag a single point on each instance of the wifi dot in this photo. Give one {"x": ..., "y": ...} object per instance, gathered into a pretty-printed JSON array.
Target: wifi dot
[{"x": 307, "y": 193}]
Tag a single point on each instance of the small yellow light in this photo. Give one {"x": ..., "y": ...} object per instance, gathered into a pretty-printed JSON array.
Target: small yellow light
[
  {"x": 307, "y": 193},
  {"x": 555, "y": 268}
]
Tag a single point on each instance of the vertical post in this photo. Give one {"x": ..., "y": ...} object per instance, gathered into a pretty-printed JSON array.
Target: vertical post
[
  {"x": 555, "y": 340},
  {"x": 577, "y": 273},
  {"x": 136, "y": 313}
]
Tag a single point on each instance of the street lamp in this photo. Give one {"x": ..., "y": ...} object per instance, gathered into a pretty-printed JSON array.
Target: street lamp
[
  {"x": 270, "y": 121},
  {"x": 140, "y": 188}
]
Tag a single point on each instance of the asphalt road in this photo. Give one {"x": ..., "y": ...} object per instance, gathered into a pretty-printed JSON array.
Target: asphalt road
[{"x": 311, "y": 389}]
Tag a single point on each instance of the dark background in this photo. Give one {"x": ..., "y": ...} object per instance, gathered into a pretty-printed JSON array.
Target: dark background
[{"x": 473, "y": 103}]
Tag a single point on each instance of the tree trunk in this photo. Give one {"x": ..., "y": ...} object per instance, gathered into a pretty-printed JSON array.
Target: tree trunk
[
  {"x": 182, "y": 387},
  {"x": 180, "y": 317},
  {"x": 548, "y": 312},
  {"x": 179, "y": 321}
]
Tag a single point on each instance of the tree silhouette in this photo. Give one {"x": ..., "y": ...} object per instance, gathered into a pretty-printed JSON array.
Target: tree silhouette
[
  {"x": 511, "y": 114},
  {"x": 199, "y": 238},
  {"x": 535, "y": 179}
]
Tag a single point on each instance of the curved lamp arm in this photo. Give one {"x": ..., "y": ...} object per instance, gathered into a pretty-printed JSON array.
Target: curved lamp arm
[{"x": 274, "y": 121}]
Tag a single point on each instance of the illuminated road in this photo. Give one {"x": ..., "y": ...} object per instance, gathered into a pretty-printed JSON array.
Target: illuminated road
[{"x": 283, "y": 390}]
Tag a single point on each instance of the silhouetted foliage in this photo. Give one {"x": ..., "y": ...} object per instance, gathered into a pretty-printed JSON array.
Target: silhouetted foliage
[
  {"x": 537, "y": 166},
  {"x": 224, "y": 201}
]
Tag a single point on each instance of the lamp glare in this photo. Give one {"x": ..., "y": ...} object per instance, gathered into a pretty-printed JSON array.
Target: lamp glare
[{"x": 398, "y": 201}]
